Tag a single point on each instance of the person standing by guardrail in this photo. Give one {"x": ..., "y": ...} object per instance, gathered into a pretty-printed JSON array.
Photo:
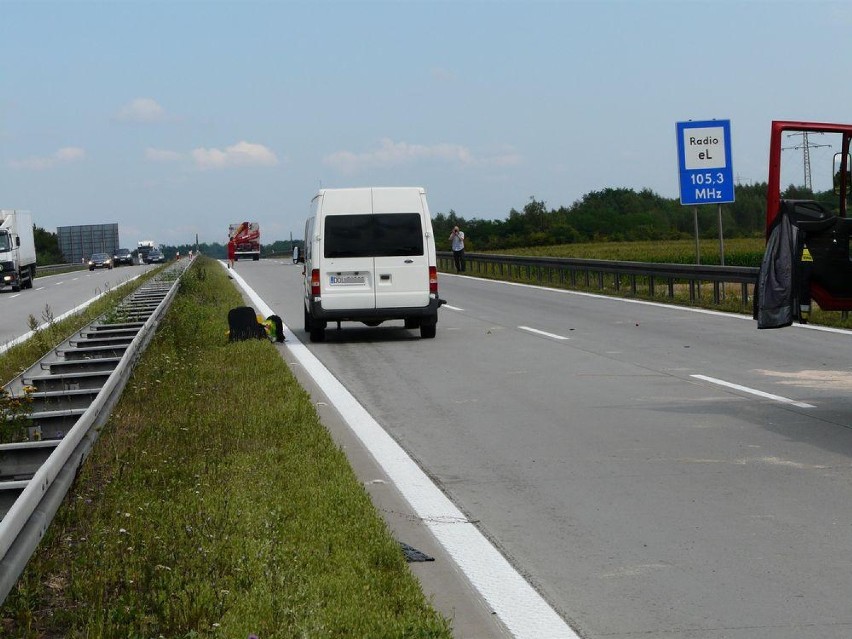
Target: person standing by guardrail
[{"x": 457, "y": 238}]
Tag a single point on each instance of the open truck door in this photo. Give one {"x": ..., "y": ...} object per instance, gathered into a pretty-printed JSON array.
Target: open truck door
[{"x": 807, "y": 255}]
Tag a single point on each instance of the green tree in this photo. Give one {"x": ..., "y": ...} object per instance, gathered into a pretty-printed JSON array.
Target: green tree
[{"x": 47, "y": 247}]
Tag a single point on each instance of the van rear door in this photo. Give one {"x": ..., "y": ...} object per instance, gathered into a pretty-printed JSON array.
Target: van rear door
[
  {"x": 402, "y": 268},
  {"x": 348, "y": 274},
  {"x": 402, "y": 272}
]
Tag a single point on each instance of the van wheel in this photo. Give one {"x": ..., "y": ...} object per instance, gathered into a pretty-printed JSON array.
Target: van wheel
[
  {"x": 314, "y": 328},
  {"x": 427, "y": 331},
  {"x": 412, "y": 322}
]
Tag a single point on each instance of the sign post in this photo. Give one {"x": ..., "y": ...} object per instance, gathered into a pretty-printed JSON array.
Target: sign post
[{"x": 705, "y": 168}]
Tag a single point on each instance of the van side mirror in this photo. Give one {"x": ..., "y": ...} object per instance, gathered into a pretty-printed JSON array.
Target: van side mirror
[
  {"x": 838, "y": 167},
  {"x": 17, "y": 240},
  {"x": 297, "y": 255}
]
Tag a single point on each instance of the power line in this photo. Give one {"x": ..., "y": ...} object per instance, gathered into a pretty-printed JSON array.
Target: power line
[{"x": 806, "y": 147}]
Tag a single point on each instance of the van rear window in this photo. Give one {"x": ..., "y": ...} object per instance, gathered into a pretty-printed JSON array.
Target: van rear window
[{"x": 382, "y": 234}]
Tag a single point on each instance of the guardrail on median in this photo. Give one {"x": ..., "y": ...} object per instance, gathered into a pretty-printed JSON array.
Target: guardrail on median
[
  {"x": 603, "y": 275},
  {"x": 47, "y": 269}
]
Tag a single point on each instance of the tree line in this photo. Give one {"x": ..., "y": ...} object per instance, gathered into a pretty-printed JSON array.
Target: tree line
[
  {"x": 609, "y": 215},
  {"x": 616, "y": 215}
]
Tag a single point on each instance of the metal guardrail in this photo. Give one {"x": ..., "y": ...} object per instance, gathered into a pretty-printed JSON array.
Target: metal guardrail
[
  {"x": 624, "y": 276},
  {"x": 47, "y": 269},
  {"x": 78, "y": 384}
]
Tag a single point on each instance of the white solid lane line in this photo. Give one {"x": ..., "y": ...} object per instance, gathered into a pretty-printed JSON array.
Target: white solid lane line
[
  {"x": 544, "y": 333},
  {"x": 752, "y": 391},
  {"x": 517, "y": 604}
]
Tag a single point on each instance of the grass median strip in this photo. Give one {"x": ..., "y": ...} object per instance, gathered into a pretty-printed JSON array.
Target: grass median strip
[{"x": 215, "y": 504}]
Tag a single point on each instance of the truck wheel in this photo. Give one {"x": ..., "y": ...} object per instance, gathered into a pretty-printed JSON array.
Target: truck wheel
[
  {"x": 412, "y": 322},
  {"x": 255, "y": 258}
]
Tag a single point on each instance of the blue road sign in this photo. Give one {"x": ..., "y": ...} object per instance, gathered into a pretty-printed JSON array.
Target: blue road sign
[{"x": 704, "y": 159}]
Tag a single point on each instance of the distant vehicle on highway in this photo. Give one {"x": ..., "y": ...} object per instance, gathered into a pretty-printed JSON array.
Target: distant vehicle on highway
[
  {"x": 143, "y": 247},
  {"x": 122, "y": 256},
  {"x": 17, "y": 250},
  {"x": 155, "y": 256},
  {"x": 100, "y": 260}
]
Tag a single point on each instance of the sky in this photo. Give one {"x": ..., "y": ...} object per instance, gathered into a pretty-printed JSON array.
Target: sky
[{"x": 175, "y": 119}]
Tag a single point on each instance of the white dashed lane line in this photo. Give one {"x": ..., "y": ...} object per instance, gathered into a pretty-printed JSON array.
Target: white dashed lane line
[
  {"x": 543, "y": 333},
  {"x": 752, "y": 391}
]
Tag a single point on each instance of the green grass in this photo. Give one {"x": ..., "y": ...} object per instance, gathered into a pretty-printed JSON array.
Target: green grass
[{"x": 215, "y": 504}]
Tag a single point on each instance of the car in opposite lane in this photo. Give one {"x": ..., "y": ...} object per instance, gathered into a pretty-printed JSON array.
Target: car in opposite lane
[
  {"x": 155, "y": 256},
  {"x": 100, "y": 260},
  {"x": 122, "y": 256}
]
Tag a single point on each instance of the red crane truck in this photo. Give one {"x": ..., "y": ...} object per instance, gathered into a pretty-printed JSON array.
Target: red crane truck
[{"x": 246, "y": 239}]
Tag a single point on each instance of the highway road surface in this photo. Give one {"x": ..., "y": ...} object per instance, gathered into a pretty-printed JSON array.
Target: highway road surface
[{"x": 652, "y": 471}]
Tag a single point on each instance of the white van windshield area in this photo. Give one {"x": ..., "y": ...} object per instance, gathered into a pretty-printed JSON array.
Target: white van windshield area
[
  {"x": 382, "y": 234},
  {"x": 5, "y": 242}
]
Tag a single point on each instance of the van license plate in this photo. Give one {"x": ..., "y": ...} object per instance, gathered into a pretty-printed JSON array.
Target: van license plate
[{"x": 342, "y": 280}]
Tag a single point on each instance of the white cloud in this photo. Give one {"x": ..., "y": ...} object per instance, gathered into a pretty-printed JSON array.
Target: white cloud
[
  {"x": 62, "y": 156},
  {"x": 240, "y": 154},
  {"x": 392, "y": 153},
  {"x": 141, "y": 110},
  {"x": 162, "y": 155}
]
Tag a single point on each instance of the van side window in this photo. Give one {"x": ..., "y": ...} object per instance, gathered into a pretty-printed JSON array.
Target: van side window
[{"x": 382, "y": 234}]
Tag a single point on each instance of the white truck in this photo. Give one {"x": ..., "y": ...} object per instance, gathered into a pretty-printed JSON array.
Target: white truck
[
  {"x": 143, "y": 248},
  {"x": 17, "y": 249}
]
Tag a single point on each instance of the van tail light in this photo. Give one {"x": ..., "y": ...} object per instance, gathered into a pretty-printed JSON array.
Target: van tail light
[
  {"x": 433, "y": 279},
  {"x": 315, "y": 282}
]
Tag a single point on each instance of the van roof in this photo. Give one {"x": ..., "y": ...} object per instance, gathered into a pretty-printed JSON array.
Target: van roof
[{"x": 392, "y": 199}]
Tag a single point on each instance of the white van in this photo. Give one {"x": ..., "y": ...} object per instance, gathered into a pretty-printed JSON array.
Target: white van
[{"x": 369, "y": 257}]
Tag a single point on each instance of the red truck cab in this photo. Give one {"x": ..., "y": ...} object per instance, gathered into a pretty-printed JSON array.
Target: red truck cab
[{"x": 822, "y": 228}]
